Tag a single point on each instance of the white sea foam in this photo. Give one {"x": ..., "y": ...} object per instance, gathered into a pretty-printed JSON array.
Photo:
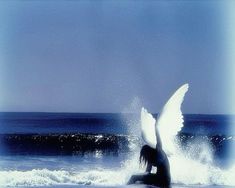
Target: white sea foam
[
  {"x": 197, "y": 171},
  {"x": 186, "y": 168},
  {"x": 191, "y": 167},
  {"x": 190, "y": 172},
  {"x": 46, "y": 177}
]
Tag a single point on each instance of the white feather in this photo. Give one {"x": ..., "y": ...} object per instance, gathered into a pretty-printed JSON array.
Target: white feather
[
  {"x": 169, "y": 122},
  {"x": 148, "y": 128}
]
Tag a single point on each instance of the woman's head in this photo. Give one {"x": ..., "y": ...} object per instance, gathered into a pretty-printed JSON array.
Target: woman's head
[{"x": 147, "y": 155}]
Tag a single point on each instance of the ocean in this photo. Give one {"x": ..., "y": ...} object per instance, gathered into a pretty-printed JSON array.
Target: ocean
[{"x": 85, "y": 150}]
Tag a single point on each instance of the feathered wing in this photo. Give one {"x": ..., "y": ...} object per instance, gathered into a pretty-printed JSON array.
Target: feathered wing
[
  {"x": 170, "y": 120},
  {"x": 148, "y": 131}
]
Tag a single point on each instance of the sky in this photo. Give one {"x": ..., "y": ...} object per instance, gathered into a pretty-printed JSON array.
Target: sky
[{"x": 105, "y": 56}]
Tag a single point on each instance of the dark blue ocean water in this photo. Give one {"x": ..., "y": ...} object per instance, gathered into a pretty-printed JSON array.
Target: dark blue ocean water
[
  {"x": 62, "y": 123},
  {"x": 14, "y": 122},
  {"x": 76, "y": 133}
]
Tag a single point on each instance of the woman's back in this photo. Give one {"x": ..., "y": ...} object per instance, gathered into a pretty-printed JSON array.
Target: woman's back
[
  {"x": 157, "y": 158},
  {"x": 163, "y": 167}
]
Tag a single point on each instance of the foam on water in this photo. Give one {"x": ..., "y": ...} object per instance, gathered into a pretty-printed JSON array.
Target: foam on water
[
  {"x": 183, "y": 169},
  {"x": 193, "y": 166}
]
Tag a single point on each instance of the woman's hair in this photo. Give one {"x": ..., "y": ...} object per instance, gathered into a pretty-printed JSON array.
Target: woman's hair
[{"x": 147, "y": 155}]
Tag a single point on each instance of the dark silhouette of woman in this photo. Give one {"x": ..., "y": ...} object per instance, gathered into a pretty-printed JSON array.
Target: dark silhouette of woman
[{"x": 154, "y": 157}]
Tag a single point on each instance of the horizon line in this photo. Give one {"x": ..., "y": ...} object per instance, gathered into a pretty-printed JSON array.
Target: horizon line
[{"x": 61, "y": 112}]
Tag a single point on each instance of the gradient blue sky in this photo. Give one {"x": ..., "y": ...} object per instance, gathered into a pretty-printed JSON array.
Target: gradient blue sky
[{"x": 99, "y": 56}]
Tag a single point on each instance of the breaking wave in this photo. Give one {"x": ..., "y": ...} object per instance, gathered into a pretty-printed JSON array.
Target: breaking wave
[{"x": 191, "y": 165}]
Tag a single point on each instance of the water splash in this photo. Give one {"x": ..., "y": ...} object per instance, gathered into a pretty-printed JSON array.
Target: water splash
[{"x": 193, "y": 165}]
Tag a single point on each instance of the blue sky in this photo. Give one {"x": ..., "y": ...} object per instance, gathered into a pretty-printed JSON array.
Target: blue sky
[{"x": 99, "y": 56}]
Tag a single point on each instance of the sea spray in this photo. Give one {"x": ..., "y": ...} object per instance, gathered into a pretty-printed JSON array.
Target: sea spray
[
  {"x": 185, "y": 169},
  {"x": 131, "y": 165},
  {"x": 193, "y": 165},
  {"x": 131, "y": 116}
]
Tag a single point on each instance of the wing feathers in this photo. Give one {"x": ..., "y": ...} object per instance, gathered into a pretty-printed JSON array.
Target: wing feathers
[
  {"x": 169, "y": 122},
  {"x": 148, "y": 128}
]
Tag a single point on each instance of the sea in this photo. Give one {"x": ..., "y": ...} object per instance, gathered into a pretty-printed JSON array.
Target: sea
[{"x": 102, "y": 150}]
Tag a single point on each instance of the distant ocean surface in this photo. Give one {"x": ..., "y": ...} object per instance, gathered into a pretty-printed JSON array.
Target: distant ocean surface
[{"x": 51, "y": 149}]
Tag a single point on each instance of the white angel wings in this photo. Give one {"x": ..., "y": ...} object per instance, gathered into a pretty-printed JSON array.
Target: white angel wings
[{"x": 169, "y": 122}]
